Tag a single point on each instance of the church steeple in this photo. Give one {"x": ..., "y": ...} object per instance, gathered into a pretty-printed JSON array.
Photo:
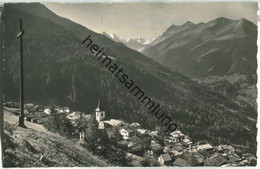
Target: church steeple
[
  {"x": 100, "y": 115},
  {"x": 98, "y": 108}
]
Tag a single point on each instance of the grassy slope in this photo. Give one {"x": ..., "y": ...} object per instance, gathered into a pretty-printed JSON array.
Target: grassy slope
[{"x": 25, "y": 147}]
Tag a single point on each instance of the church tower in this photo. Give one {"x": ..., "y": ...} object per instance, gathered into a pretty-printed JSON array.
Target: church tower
[{"x": 100, "y": 115}]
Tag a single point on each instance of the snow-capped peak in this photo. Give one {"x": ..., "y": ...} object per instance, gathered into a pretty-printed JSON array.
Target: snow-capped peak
[{"x": 112, "y": 36}]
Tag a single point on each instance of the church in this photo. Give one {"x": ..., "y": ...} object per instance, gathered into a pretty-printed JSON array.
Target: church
[{"x": 100, "y": 115}]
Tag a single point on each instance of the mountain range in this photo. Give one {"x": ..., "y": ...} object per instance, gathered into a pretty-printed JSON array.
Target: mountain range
[
  {"x": 61, "y": 71},
  {"x": 216, "y": 48},
  {"x": 134, "y": 43}
]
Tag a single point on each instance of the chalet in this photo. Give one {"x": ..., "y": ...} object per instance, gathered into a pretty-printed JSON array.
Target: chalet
[
  {"x": 153, "y": 133},
  {"x": 171, "y": 144},
  {"x": 39, "y": 108},
  {"x": 233, "y": 158},
  {"x": 11, "y": 105},
  {"x": 135, "y": 125},
  {"x": 206, "y": 147},
  {"x": 165, "y": 159},
  {"x": 159, "y": 139},
  {"x": 134, "y": 141},
  {"x": 146, "y": 139},
  {"x": 66, "y": 110},
  {"x": 219, "y": 149},
  {"x": 250, "y": 158},
  {"x": 205, "y": 153},
  {"x": 29, "y": 107},
  {"x": 162, "y": 131},
  {"x": 156, "y": 149},
  {"x": 61, "y": 110},
  {"x": 176, "y": 150},
  {"x": 137, "y": 149},
  {"x": 171, "y": 139},
  {"x": 126, "y": 132},
  {"x": 186, "y": 141},
  {"x": 113, "y": 123},
  {"x": 227, "y": 147},
  {"x": 179, "y": 162},
  {"x": 142, "y": 131},
  {"x": 78, "y": 115},
  {"x": 47, "y": 111},
  {"x": 177, "y": 134},
  {"x": 199, "y": 159},
  {"x": 216, "y": 160},
  {"x": 192, "y": 149}
]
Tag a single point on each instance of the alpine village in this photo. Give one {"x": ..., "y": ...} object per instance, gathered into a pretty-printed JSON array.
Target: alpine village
[{"x": 124, "y": 144}]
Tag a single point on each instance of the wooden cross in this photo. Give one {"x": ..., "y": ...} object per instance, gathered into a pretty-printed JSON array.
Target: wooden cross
[{"x": 20, "y": 36}]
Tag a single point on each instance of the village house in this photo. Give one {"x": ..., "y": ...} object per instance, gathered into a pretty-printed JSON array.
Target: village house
[
  {"x": 206, "y": 147},
  {"x": 146, "y": 140},
  {"x": 76, "y": 115},
  {"x": 187, "y": 141},
  {"x": 134, "y": 141},
  {"x": 155, "y": 149},
  {"x": 249, "y": 159},
  {"x": 153, "y": 133},
  {"x": 233, "y": 158},
  {"x": 66, "y": 110},
  {"x": 126, "y": 132},
  {"x": 159, "y": 139},
  {"x": 142, "y": 131},
  {"x": 113, "y": 123},
  {"x": 219, "y": 149},
  {"x": 199, "y": 159},
  {"x": 176, "y": 150},
  {"x": 59, "y": 109},
  {"x": 179, "y": 162},
  {"x": 47, "y": 111},
  {"x": 30, "y": 108},
  {"x": 171, "y": 139},
  {"x": 216, "y": 160},
  {"x": 137, "y": 149},
  {"x": 40, "y": 108},
  {"x": 11, "y": 104},
  {"x": 178, "y": 135},
  {"x": 135, "y": 125},
  {"x": 165, "y": 159}
]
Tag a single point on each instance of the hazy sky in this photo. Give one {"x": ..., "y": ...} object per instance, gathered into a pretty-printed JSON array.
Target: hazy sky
[{"x": 149, "y": 20}]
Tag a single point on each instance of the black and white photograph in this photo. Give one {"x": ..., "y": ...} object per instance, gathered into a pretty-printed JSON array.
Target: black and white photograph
[{"x": 146, "y": 84}]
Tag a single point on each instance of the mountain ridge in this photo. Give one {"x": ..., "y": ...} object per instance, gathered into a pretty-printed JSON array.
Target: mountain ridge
[{"x": 202, "y": 49}]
